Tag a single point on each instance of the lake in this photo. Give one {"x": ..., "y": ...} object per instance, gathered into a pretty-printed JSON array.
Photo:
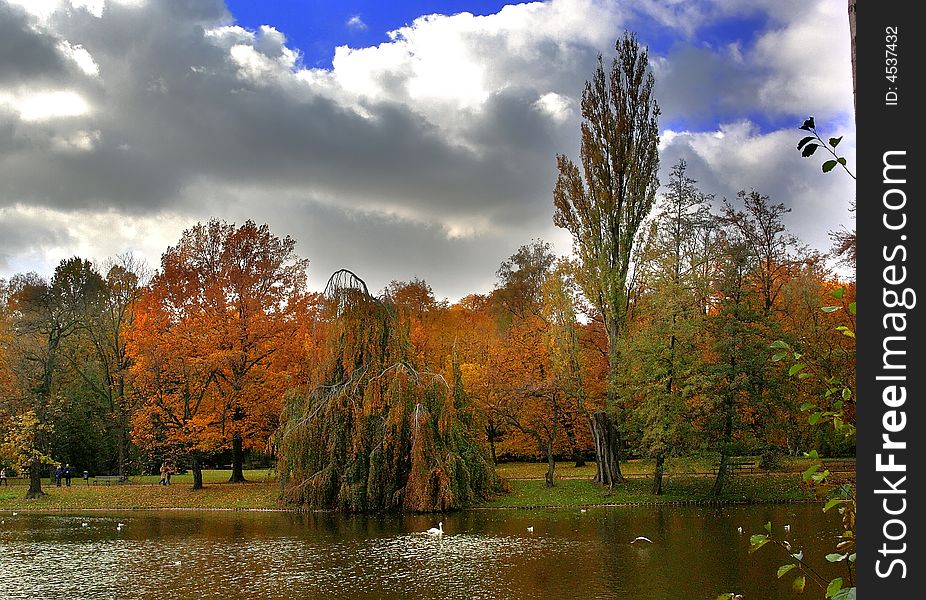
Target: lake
[{"x": 696, "y": 553}]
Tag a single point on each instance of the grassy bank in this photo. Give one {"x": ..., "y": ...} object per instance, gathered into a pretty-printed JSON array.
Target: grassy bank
[
  {"x": 777, "y": 487},
  {"x": 684, "y": 483}
]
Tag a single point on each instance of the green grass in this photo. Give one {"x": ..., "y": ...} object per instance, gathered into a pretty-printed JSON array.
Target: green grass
[
  {"x": 684, "y": 465},
  {"x": 687, "y": 479},
  {"x": 260, "y": 491},
  {"x": 775, "y": 487}
]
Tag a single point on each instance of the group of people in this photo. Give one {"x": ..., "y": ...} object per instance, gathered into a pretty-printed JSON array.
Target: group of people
[
  {"x": 167, "y": 469},
  {"x": 63, "y": 472}
]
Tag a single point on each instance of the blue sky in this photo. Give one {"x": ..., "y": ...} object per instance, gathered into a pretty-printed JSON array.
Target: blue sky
[
  {"x": 316, "y": 27},
  {"x": 429, "y": 153}
]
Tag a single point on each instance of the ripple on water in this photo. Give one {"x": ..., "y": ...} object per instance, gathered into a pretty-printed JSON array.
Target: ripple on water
[{"x": 484, "y": 555}]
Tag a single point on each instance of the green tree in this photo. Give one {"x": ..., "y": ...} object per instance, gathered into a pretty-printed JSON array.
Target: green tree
[
  {"x": 603, "y": 204},
  {"x": 46, "y": 314},
  {"x": 662, "y": 350},
  {"x": 738, "y": 338}
]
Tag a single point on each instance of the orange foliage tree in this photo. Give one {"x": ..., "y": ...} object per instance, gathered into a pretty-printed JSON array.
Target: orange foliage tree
[{"x": 227, "y": 301}]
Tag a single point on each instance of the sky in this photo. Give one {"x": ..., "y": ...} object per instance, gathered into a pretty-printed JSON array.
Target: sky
[{"x": 395, "y": 139}]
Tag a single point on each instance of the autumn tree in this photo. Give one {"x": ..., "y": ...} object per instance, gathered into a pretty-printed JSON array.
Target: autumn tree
[
  {"x": 471, "y": 326},
  {"x": 174, "y": 370},
  {"x": 603, "y": 204},
  {"x": 776, "y": 257},
  {"x": 230, "y": 297}
]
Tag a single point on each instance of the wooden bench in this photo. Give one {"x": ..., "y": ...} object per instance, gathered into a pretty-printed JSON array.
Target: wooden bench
[
  {"x": 743, "y": 466},
  {"x": 109, "y": 479},
  {"x": 735, "y": 466}
]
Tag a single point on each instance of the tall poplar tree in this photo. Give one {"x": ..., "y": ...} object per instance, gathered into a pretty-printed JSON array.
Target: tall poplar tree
[{"x": 603, "y": 202}]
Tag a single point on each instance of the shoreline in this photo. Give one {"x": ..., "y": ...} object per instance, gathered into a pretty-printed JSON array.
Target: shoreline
[
  {"x": 574, "y": 489},
  {"x": 728, "y": 502}
]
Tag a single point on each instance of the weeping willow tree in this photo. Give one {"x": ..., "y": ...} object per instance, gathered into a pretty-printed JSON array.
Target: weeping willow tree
[{"x": 375, "y": 432}]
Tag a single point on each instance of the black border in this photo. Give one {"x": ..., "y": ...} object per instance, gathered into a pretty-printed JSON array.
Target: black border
[{"x": 882, "y": 128}]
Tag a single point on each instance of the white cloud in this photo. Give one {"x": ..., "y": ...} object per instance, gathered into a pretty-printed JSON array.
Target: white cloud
[
  {"x": 79, "y": 56},
  {"x": 555, "y": 105},
  {"x": 808, "y": 62},
  {"x": 738, "y": 156},
  {"x": 97, "y": 235},
  {"x": 44, "y": 105},
  {"x": 356, "y": 23}
]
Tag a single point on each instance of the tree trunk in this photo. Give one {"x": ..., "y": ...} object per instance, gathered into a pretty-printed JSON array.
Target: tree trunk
[
  {"x": 721, "y": 479},
  {"x": 197, "y": 474},
  {"x": 35, "y": 481},
  {"x": 122, "y": 425},
  {"x": 237, "y": 474},
  {"x": 607, "y": 437},
  {"x": 569, "y": 428},
  {"x": 551, "y": 464},
  {"x": 607, "y": 445},
  {"x": 657, "y": 475}
]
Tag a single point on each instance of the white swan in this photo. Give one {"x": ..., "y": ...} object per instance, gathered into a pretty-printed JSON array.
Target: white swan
[
  {"x": 439, "y": 530},
  {"x": 640, "y": 538}
]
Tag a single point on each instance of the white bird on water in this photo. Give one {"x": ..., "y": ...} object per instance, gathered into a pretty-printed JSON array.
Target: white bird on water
[
  {"x": 439, "y": 530},
  {"x": 640, "y": 538},
  {"x": 531, "y": 529},
  {"x": 85, "y": 524}
]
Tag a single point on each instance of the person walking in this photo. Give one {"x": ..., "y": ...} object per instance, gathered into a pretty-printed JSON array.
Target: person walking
[
  {"x": 67, "y": 475},
  {"x": 3, "y": 476},
  {"x": 164, "y": 473},
  {"x": 59, "y": 470}
]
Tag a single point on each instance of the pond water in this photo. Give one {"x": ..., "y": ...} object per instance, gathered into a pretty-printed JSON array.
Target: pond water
[{"x": 696, "y": 554}]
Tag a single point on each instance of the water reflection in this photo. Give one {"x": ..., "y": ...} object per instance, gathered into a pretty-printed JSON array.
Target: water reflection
[{"x": 697, "y": 552}]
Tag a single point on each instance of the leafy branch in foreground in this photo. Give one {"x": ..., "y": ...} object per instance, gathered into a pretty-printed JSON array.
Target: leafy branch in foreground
[
  {"x": 831, "y": 409},
  {"x": 809, "y": 144}
]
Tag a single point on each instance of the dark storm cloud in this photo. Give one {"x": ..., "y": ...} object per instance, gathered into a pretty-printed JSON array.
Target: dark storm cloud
[
  {"x": 172, "y": 109},
  {"x": 21, "y": 236},
  {"x": 26, "y": 56}
]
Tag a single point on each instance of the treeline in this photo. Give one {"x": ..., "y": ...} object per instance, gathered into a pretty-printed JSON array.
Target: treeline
[
  {"x": 114, "y": 370},
  {"x": 653, "y": 338}
]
